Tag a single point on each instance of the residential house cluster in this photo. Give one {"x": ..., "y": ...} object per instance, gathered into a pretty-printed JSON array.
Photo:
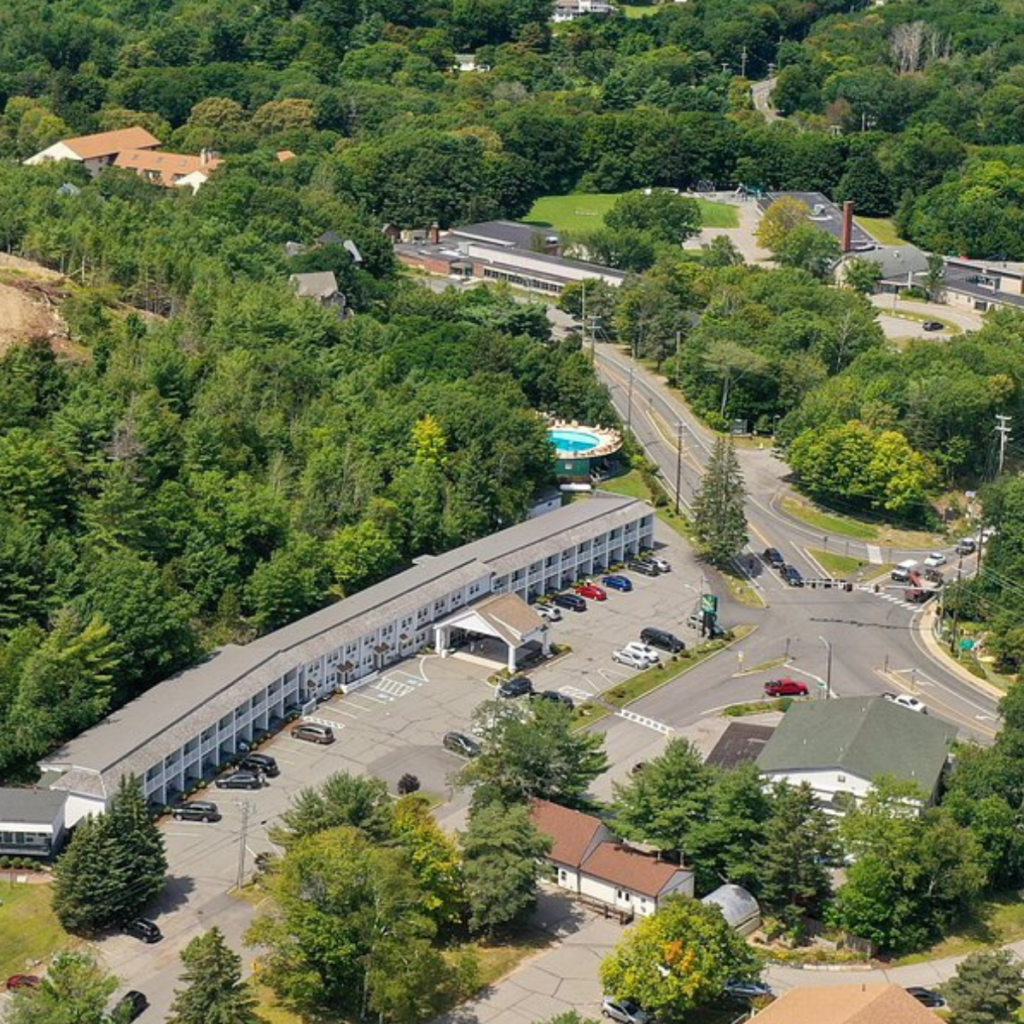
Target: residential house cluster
[{"x": 133, "y": 149}]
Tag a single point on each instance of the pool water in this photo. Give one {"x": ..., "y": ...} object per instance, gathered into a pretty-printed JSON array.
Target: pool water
[{"x": 573, "y": 440}]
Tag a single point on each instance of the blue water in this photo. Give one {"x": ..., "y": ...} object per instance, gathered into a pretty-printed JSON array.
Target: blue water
[{"x": 573, "y": 440}]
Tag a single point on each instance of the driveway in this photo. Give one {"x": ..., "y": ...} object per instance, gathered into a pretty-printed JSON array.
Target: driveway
[
  {"x": 556, "y": 981},
  {"x": 965, "y": 319}
]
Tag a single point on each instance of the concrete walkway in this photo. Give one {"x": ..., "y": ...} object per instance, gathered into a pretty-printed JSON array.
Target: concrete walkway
[{"x": 559, "y": 979}]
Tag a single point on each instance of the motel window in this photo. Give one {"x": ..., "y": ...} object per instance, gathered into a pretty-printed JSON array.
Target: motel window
[{"x": 191, "y": 745}]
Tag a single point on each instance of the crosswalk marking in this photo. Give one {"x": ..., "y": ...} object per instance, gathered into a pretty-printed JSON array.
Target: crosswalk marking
[
  {"x": 329, "y": 722},
  {"x": 393, "y": 687},
  {"x": 649, "y": 723}
]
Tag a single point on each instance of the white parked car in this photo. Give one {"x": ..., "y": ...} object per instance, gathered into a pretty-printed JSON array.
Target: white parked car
[
  {"x": 631, "y": 658},
  {"x": 644, "y": 650},
  {"x": 936, "y": 558},
  {"x": 549, "y": 612},
  {"x": 904, "y": 700},
  {"x": 659, "y": 563}
]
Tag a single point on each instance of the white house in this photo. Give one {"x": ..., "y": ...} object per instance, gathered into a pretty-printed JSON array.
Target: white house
[
  {"x": 590, "y": 862},
  {"x": 839, "y": 747},
  {"x": 96, "y": 151},
  {"x": 31, "y": 822},
  {"x": 180, "y": 731}
]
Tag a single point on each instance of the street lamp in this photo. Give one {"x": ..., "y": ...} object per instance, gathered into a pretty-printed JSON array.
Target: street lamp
[{"x": 828, "y": 668}]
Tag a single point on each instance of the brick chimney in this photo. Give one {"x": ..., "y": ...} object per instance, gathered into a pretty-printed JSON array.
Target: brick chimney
[
  {"x": 847, "y": 225},
  {"x": 434, "y": 234}
]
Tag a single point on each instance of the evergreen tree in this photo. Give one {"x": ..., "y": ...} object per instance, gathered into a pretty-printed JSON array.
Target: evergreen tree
[
  {"x": 718, "y": 517},
  {"x": 987, "y": 989},
  {"x": 113, "y": 865},
  {"x": 214, "y": 992},
  {"x": 793, "y": 878},
  {"x": 74, "y": 990},
  {"x": 501, "y": 851}
]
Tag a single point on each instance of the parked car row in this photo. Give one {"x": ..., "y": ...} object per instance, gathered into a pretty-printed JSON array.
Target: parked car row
[
  {"x": 647, "y": 565},
  {"x": 790, "y": 574}
]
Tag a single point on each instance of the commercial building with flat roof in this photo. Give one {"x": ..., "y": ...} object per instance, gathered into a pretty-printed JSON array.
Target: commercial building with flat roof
[{"x": 183, "y": 729}]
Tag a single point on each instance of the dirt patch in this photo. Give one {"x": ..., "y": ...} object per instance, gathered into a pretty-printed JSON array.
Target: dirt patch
[
  {"x": 28, "y": 268},
  {"x": 27, "y": 313}
]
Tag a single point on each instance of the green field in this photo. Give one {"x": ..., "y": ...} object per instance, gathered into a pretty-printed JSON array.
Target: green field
[
  {"x": 881, "y": 228},
  {"x": 836, "y": 565},
  {"x": 829, "y": 522},
  {"x": 637, "y": 11},
  {"x": 584, "y": 211},
  {"x": 29, "y": 931}
]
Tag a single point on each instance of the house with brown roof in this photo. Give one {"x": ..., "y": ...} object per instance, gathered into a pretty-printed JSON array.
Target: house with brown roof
[
  {"x": 169, "y": 169},
  {"x": 96, "y": 151},
  {"x": 847, "y": 1004},
  {"x": 591, "y": 863}
]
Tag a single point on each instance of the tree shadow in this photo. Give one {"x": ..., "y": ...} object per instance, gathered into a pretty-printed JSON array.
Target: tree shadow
[{"x": 175, "y": 895}]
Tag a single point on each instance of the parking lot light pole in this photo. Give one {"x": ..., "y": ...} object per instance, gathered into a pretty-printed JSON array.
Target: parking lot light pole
[{"x": 828, "y": 668}]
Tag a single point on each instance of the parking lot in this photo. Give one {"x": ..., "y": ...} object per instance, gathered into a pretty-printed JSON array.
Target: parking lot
[{"x": 392, "y": 726}]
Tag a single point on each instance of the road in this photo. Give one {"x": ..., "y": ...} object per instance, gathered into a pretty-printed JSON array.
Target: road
[
  {"x": 760, "y": 93},
  {"x": 965, "y": 319},
  {"x": 875, "y": 642}
]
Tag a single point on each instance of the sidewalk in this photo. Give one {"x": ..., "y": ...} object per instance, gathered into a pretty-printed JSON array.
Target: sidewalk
[
  {"x": 928, "y": 974},
  {"x": 941, "y": 654}
]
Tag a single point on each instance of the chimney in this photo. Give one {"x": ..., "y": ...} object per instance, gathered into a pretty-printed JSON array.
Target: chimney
[
  {"x": 434, "y": 235},
  {"x": 847, "y": 225}
]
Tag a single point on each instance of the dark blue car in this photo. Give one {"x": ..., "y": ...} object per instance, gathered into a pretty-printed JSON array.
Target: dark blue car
[{"x": 623, "y": 583}]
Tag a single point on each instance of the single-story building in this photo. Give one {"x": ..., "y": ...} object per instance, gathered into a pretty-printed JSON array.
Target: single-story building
[
  {"x": 506, "y": 618},
  {"x": 738, "y": 907},
  {"x": 982, "y": 285},
  {"x": 741, "y": 743},
  {"x": 509, "y": 234},
  {"x": 899, "y": 265},
  {"x": 839, "y": 747},
  {"x": 591, "y": 863},
  {"x": 179, "y": 731},
  {"x": 825, "y": 215},
  {"x": 883, "y": 1003},
  {"x": 31, "y": 821},
  {"x": 96, "y": 151},
  {"x": 320, "y": 285}
]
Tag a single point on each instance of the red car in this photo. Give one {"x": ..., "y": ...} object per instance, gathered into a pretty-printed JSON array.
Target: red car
[
  {"x": 591, "y": 590},
  {"x": 785, "y": 688},
  {"x": 22, "y": 981}
]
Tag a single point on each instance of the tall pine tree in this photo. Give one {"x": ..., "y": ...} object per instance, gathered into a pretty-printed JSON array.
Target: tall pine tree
[
  {"x": 112, "y": 867},
  {"x": 214, "y": 992},
  {"x": 718, "y": 517}
]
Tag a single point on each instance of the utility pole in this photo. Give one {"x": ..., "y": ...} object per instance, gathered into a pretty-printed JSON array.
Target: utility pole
[
  {"x": 828, "y": 668},
  {"x": 629, "y": 401},
  {"x": 1003, "y": 430},
  {"x": 679, "y": 461},
  {"x": 243, "y": 837},
  {"x": 583, "y": 316},
  {"x": 743, "y": 62},
  {"x": 679, "y": 338},
  {"x": 956, "y": 607}
]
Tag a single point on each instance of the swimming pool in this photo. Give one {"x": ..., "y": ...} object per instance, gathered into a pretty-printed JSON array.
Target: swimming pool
[{"x": 573, "y": 441}]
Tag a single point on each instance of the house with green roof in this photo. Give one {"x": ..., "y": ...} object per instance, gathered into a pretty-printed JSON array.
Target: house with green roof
[{"x": 839, "y": 747}]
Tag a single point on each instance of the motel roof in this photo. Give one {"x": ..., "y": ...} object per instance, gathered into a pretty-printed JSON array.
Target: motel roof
[{"x": 134, "y": 737}]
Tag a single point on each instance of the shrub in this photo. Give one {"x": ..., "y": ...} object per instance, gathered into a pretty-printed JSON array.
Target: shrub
[{"x": 407, "y": 784}]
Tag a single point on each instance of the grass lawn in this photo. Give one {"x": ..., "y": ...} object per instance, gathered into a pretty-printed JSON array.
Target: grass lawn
[
  {"x": 882, "y": 228},
  {"x": 836, "y": 565},
  {"x": 830, "y": 522},
  {"x": 999, "y": 920},
  {"x": 584, "y": 211},
  {"x": 630, "y": 484},
  {"x": 29, "y": 931},
  {"x": 638, "y": 10},
  {"x": 742, "y": 589}
]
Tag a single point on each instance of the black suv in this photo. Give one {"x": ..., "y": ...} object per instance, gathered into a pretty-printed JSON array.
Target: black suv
[
  {"x": 140, "y": 928},
  {"x": 260, "y": 763},
  {"x": 461, "y": 744},
  {"x": 792, "y": 575},
  {"x": 663, "y": 639},
  {"x": 643, "y": 567},
  {"x": 129, "y": 1006},
  {"x": 239, "y": 780},
  {"x": 571, "y": 601},
  {"x": 196, "y": 810},
  {"x": 520, "y": 686},
  {"x": 556, "y": 698},
  {"x": 773, "y": 556}
]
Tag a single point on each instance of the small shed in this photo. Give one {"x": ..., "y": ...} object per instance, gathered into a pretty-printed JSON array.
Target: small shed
[{"x": 738, "y": 907}]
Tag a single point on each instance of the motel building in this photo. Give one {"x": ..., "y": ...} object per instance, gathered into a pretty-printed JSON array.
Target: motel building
[{"x": 181, "y": 731}]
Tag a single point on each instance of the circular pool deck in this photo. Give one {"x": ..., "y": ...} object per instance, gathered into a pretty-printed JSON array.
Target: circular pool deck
[{"x": 576, "y": 441}]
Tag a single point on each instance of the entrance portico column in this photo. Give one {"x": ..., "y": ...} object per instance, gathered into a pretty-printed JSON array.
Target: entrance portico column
[
  {"x": 440, "y": 639},
  {"x": 512, "y": 657},
  {"x": 545, "y": 644}
]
